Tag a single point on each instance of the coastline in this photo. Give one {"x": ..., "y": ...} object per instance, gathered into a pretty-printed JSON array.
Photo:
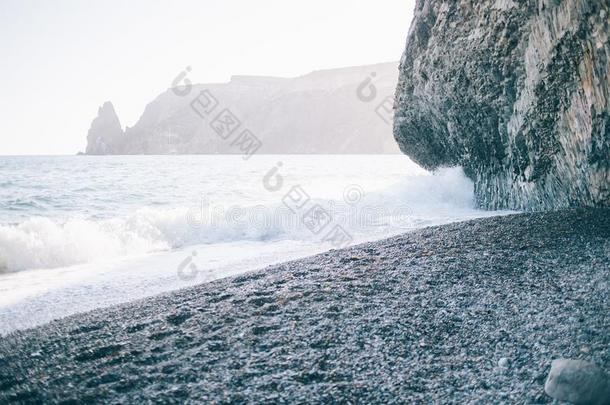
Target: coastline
[{"x": 421, "y": 317}]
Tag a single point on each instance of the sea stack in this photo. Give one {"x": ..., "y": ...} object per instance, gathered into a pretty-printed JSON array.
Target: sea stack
[{"x": 106, "y": 134}]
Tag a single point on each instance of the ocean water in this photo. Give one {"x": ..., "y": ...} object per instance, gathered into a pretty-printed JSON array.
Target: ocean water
[{"x": 78, "y": 233}]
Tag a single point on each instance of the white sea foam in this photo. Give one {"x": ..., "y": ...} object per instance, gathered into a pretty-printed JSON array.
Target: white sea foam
[{"x": 415, "y": 201}]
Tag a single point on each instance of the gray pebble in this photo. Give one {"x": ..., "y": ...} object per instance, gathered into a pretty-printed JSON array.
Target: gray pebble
[{"x": 578, "y": 382}]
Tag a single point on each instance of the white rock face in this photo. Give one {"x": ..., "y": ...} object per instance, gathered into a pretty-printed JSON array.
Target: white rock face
[
  {"x": 339, "y": 111},
  {"x": 578, "y": 382}
]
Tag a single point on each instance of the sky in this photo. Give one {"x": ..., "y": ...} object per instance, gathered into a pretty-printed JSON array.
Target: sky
[{"x": 63, "y": 59}]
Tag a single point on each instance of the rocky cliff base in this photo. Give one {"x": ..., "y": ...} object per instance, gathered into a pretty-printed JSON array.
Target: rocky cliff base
[{"x": 465, "y": 313}]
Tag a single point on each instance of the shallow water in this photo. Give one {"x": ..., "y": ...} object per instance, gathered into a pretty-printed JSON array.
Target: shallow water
[{"x": 78, "y": 233}]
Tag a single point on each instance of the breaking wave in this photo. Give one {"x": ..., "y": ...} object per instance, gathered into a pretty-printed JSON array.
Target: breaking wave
[{"x": 417, "y": 201}]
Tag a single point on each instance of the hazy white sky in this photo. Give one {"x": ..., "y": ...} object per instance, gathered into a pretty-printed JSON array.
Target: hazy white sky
[{"x": 62, "y": 59}]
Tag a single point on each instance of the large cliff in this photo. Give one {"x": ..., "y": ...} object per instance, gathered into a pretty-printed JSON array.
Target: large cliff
[
  {"x": 320, "y": 112},
  {"x": 515, "y": 91}
]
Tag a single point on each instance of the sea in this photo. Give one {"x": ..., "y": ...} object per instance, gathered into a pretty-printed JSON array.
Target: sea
[{"x": 84, "y": 232}]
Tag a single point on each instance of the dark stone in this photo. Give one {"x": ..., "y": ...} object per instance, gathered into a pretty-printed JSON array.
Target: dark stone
[{"x": 516, "y": 92}]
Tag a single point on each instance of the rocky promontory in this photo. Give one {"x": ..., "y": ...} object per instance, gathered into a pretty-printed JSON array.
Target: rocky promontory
[
  {"x": 517, "y": 92},
  {"x": 341, "y": 111}
]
